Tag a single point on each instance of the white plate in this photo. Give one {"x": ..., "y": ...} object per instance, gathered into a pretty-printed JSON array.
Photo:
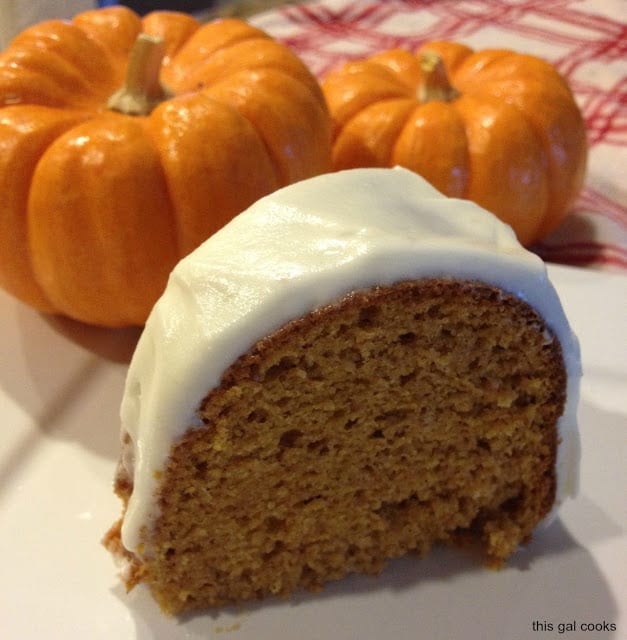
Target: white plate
[{"x": 60, "y": 387}]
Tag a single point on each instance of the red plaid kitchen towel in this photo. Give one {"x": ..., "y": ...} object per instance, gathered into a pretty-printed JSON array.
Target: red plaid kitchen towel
[{"x": 585, "y": 39}]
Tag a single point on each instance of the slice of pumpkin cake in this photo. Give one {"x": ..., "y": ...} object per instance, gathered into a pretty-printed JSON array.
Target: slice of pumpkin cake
[{"x": 354, "y": 368}]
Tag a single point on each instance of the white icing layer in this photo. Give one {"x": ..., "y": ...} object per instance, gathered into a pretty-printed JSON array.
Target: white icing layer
[{"x": 292, "y": 251}]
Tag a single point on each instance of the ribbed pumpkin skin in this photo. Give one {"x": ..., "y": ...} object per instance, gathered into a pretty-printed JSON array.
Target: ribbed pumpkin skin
[
  {"x": 513, "y": 139},
  {"x": 98, "y": 205}
]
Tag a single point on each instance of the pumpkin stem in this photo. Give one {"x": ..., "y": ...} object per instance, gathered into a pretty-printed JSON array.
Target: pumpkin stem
[
  {"x": 142, "y": 91},
  {"x": 435, "y": 83}
]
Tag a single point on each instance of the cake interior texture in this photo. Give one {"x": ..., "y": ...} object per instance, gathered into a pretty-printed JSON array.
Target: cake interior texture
[{"x": 394, "y": 419}]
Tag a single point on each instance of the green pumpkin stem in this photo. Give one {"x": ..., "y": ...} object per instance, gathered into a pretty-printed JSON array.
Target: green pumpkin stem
[
  {"x": 435, "y": 83},
  {"x": 142, "y": 90}
]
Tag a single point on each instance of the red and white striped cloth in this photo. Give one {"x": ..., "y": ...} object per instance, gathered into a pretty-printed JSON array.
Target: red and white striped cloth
[{"x": 585, "y": 39}]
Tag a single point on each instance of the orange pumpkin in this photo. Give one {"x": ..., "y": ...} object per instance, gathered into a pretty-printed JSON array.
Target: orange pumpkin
[
  {"x": 103, "y": 191},
  {"x": 493, "y": 126}
]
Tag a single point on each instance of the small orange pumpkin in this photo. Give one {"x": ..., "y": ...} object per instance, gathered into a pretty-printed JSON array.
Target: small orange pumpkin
[
  {"x": 103, "y": 191},
  {"x": 493, "y": 126}
]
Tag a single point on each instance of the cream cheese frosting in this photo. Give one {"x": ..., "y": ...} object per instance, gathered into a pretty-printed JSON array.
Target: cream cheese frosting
[{"x": 289, "y": 253}]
